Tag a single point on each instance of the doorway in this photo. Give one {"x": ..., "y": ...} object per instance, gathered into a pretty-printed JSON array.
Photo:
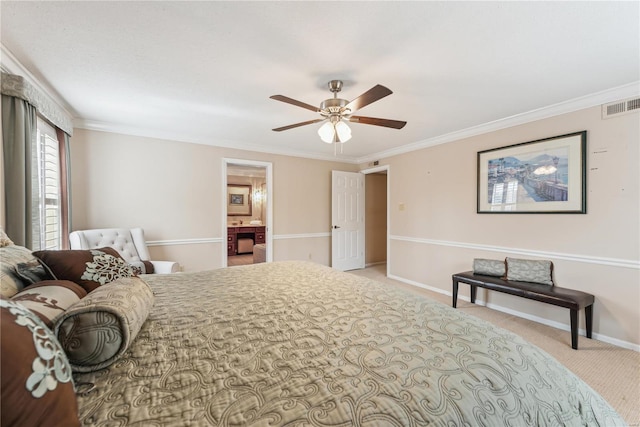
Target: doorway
[
  {"x": 247, "y": 217},
  {"x": 377, "y": 216}
]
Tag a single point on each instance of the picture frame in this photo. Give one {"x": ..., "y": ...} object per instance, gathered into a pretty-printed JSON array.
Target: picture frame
[
  {"x": 239, "y": 200},
  {"x": 542, "y": 176}
]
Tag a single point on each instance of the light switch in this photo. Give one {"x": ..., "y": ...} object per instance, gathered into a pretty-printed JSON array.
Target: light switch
[{"x": 401, "y": 206}]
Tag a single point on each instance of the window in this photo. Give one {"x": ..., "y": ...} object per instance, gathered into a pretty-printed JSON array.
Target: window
[{"x": 47, "y": 222}]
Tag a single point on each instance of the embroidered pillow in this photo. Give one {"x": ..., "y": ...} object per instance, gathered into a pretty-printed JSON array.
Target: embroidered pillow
[
  {"x": 488, "y": 267},
  {"x": 142, "y": 267},
  {"x": 95, "y": 331},
  {"x": 32, "y": 272},
  {"x": 36, "y": 383},
  {"x": 88, "y": 268},
  {"x": 528, "y": 270},
  {"x": 10, "y": 257},
  {"x": 50, "y": 298}
]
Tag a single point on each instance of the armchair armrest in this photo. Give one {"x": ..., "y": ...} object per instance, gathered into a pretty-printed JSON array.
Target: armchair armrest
[{"x": 165, "y": 267}]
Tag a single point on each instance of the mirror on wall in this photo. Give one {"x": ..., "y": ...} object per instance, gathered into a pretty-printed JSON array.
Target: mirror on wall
[{"x": 239, "y": 200}]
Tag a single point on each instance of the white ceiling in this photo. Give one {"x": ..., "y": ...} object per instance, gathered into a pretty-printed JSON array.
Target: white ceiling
[{"x": 203, "y": 71}]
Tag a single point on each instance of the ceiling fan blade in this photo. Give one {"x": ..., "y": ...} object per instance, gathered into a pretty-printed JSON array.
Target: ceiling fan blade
[
  {"x": 396, "y": 124},
  {"x": 309, "y": 122},
  {"x": 372, "y": 95},
  {"x": 294, "y": 102}
]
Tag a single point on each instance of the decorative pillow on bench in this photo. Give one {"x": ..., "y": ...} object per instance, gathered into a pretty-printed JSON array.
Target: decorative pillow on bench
[
  {"x": 528, "y": 270},
  {"x": 488, "y": 267}
]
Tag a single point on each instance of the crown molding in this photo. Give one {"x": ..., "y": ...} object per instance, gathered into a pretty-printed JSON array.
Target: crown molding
[
  {"x": 587, "y": 101},
  {"x": 101, "y": 126},
  {"x": 10, "y": 64}
]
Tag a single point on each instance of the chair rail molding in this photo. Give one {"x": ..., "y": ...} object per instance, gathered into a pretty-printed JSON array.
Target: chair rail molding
[{"x": 615, "y": 262}]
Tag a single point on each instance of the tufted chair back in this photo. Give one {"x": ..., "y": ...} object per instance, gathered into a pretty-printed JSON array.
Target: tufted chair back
[{"x": 129, "y": 243}]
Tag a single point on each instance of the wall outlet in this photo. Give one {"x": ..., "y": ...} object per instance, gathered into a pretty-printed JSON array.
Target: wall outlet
[{"x": 401, "y": 206}]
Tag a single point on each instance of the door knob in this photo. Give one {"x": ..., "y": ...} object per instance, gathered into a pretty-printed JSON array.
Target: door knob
[{"x": 336, "y": 226}]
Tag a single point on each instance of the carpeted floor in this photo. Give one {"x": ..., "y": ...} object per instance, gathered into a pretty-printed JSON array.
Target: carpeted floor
[{"x": 612, "y": 371}]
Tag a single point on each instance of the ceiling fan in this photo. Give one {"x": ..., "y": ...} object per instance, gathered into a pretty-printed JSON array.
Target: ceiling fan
[{"x": 336, "y": 111}]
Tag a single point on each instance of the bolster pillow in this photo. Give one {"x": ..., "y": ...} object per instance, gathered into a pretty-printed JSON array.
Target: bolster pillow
[{"x": 96, "y": 330}]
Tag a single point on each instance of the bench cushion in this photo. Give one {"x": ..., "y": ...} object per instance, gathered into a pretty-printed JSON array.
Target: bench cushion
[{"x": 555, "y": 295}]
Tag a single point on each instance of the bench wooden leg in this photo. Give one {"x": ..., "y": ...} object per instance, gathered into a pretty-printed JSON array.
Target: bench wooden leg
[
  {"x": 574, "y": 329},
  {"x": 474, "y": 289},
  {"x": 455, "y": 293},
  {"x": 588, "y": 316}
]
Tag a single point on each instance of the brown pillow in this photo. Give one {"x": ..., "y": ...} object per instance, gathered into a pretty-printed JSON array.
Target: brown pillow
[
  {"x": 88, "y": 268},
  {"x": 50, "y": 298},
  {"x": 35, "y": 390}
]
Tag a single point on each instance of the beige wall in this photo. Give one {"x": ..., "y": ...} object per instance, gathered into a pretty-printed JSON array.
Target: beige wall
[
  {"x": 439, "y": 232},
  {"x": 375, "y": 218},
  {"x": 173, "y": 190}
]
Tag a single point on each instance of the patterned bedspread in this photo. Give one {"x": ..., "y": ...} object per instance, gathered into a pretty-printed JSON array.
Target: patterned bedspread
[{"x": 299, "y": 344}]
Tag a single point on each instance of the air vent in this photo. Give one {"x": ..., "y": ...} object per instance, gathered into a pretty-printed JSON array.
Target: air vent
[{"x": 618, "y": 108}]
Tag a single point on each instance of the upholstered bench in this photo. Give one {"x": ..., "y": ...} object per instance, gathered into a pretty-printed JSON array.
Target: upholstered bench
[
  {"x": 259, "y": 253},
  {"x": 561, "y": 297}
]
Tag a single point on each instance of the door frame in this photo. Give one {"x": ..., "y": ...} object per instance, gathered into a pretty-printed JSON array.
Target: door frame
[
  {"x": 223, "y": 191},
  {"x": 375, "y": 170}
]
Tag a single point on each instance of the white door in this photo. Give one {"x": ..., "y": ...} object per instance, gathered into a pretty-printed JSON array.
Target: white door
[{"x": 347, "y": 217}]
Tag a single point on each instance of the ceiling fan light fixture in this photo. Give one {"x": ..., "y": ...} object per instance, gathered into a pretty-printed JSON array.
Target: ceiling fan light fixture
[
  {"x": 343, "y": 131},
  {"x": 334, "y": 130},
  {"x": 326, "y": 132}
]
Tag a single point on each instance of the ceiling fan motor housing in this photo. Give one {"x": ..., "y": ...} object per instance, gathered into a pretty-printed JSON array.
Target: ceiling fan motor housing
[{"x": 333, "y": 106}]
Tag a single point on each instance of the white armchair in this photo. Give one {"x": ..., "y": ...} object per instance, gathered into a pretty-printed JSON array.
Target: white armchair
[{"x": 129, "y": 243}]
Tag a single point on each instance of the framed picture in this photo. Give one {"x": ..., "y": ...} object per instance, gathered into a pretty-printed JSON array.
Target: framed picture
[
  {"x": 238, "y": 200},
  {"x": 543, "y": 176}
]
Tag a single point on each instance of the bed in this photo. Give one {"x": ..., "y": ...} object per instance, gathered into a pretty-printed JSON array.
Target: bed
[{"x": 299, "y": 344}]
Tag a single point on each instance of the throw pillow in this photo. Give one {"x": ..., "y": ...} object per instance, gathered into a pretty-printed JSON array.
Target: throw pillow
[
  {"x": 4, "y": 239},
  {"x": 37, "y": 387},
  {"x": 142, "y": 267},
  {"x": 88, "y": 268},
  {"x": 10, "y": 257},
  {"x": 488, "y": 267},
  {"x": 50, "y": 298},
  {"x": 32, "y": 272},
  {"x": 528, "y": 270},
  {"x": 95, "y": 331}
]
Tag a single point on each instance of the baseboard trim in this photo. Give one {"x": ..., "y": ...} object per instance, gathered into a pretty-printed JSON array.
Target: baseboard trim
[
  {"x": 615, "y": 262},
  {"x": 371, "y": 264},
  {"x": 565, "y": 327}
]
